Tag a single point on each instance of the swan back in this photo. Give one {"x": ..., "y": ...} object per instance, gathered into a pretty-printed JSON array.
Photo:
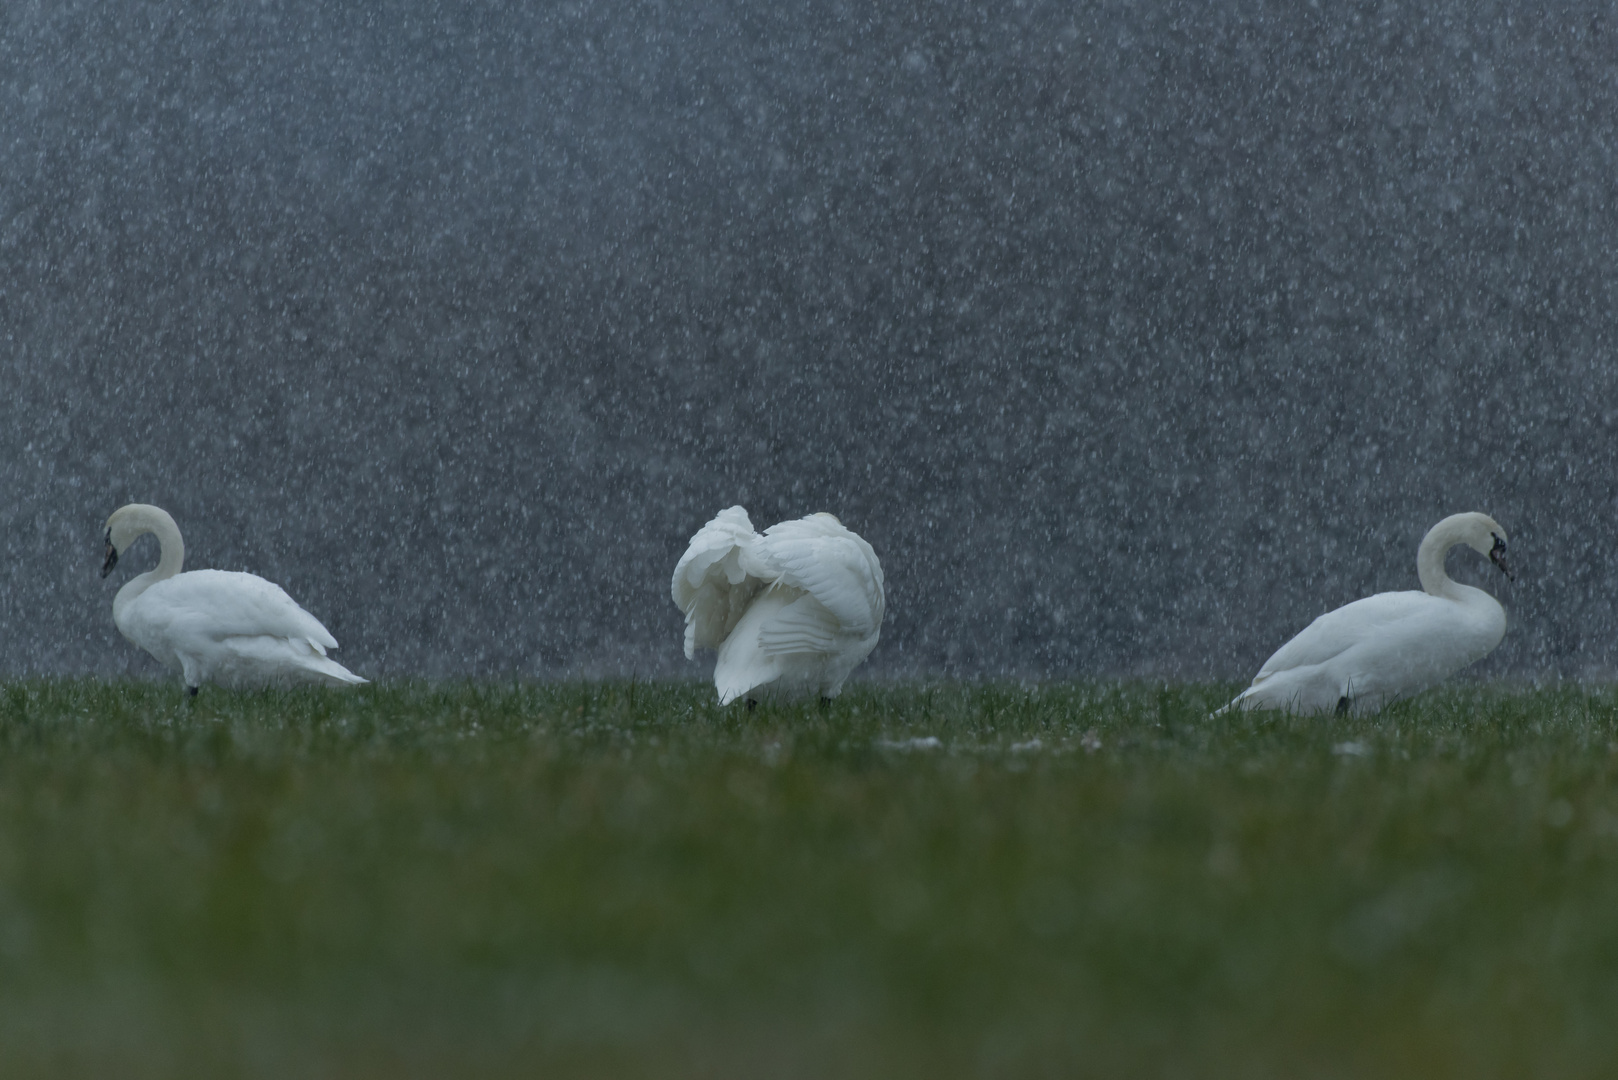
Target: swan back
[
  {"x": 830, "y": 563},
  {"x": 220, "y": 604},
  {"x": 1382, "y": 647}
]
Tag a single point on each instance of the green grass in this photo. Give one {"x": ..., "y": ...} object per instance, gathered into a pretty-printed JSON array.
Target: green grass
[{"x": 624, "y": 880}]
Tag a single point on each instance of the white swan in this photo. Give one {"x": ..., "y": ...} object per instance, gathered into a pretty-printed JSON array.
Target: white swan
[
  {"x": 1392, "y": 645},
  {"x": 791, "y": 612},
  {"x": 214, "y": 625}
]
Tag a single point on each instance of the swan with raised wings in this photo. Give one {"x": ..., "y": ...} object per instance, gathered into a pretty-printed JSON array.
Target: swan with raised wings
[
  {"x": 1366, "y": 654},
  {"x": 792, "y": 611},
  {"x": 216, "y": 626}
]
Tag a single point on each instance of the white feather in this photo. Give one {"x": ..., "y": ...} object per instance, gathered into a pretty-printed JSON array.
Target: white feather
[
  {"x": 835, "y": 566},
  {"x": 710, "y": 585},
  {"x": 793, "y": 611}
]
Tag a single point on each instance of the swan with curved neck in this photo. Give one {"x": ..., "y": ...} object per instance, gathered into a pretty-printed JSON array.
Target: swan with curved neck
[
  {"x": 218, "y": 626},
  {"x": 1393, "y": 645},
  {"x": 130, "y": 523}
]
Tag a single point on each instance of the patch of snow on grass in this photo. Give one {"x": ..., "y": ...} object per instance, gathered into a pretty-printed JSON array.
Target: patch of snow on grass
[{"x": 919, "y": 742}]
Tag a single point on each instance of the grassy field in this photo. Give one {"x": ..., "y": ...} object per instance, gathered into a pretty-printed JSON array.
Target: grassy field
[{"x": 624, "y": 880}]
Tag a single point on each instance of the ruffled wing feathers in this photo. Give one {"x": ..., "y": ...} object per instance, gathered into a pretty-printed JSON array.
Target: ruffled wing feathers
[
  {"x": 711, "y": 585},
  {"x": 803, "y": 626},
  {"x": 827, "y": 561}
]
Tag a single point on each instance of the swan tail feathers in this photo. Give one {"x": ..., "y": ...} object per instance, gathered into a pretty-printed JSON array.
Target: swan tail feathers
[
  {"x": 322, "y": 664},
  {"x": 335, "y": 672},
  {"x": 246, "y": 661},
  {"x": 742, "y": 668},
  {"x": 739, "y": 681},
  {"x": 1240, "y": 703}
]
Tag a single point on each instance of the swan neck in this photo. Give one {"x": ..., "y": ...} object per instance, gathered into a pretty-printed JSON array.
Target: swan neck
[
  {"x": 1435, "y": 580},
  {"x": 172, "y": 557},
  {"x": 171, "y": 549}
]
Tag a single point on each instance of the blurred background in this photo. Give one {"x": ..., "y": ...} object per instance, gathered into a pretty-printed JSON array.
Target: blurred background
[{"x": 1132, "y": 336}]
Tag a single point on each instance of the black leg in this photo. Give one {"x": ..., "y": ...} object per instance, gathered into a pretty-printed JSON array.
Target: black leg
[
  {"x": 191, "y": 691},
  {"x": 825, "y": 703},
  {"x": 752, "y": 703},
  {"x": 1343, "y": 705}
]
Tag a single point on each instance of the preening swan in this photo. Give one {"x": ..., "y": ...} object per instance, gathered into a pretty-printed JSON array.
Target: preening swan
[
  {"x": 791, "y": 612},
  {"x": 214, "y": 625},
  {"x": 1391, "y": 645}
]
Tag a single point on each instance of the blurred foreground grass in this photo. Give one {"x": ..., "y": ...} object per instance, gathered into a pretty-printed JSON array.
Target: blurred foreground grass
[{"x": 624, "y": 880}]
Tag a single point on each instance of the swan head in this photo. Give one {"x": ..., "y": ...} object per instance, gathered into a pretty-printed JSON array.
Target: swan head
[
  {"x": 121, "y": 531},
  {"x": 117, "y": 539},
  {"x": 128, "y": 524},
  {"x": 1497, "y": 555},
  {"x": 1485, "y": 536}
]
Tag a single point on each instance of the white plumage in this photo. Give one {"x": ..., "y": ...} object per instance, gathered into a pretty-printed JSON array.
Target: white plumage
[
  {"x": 792, "y": 611},
  {"x": 215, "y": 626},
  {"x": 1392, "y": 645}
]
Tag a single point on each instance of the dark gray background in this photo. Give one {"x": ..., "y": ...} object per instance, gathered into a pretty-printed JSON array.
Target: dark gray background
[{"x": 1132, "y": 336}]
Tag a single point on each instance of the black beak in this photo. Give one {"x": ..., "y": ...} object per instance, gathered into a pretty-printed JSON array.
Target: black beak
[
  {"x": 1497, "y": 555},
  {"x": 111, "y": 560}
]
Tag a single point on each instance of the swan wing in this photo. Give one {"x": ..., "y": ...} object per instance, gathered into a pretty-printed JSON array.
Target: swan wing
[
  {"x": 804, "y": 625},
  {"x": 268, "y": 658},
  {"x": 1390, "y": 614},
  {"x": 220, "y": 604},
  {"x": 710, "y": 584},
  {"x": 836, "y": 567}
]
